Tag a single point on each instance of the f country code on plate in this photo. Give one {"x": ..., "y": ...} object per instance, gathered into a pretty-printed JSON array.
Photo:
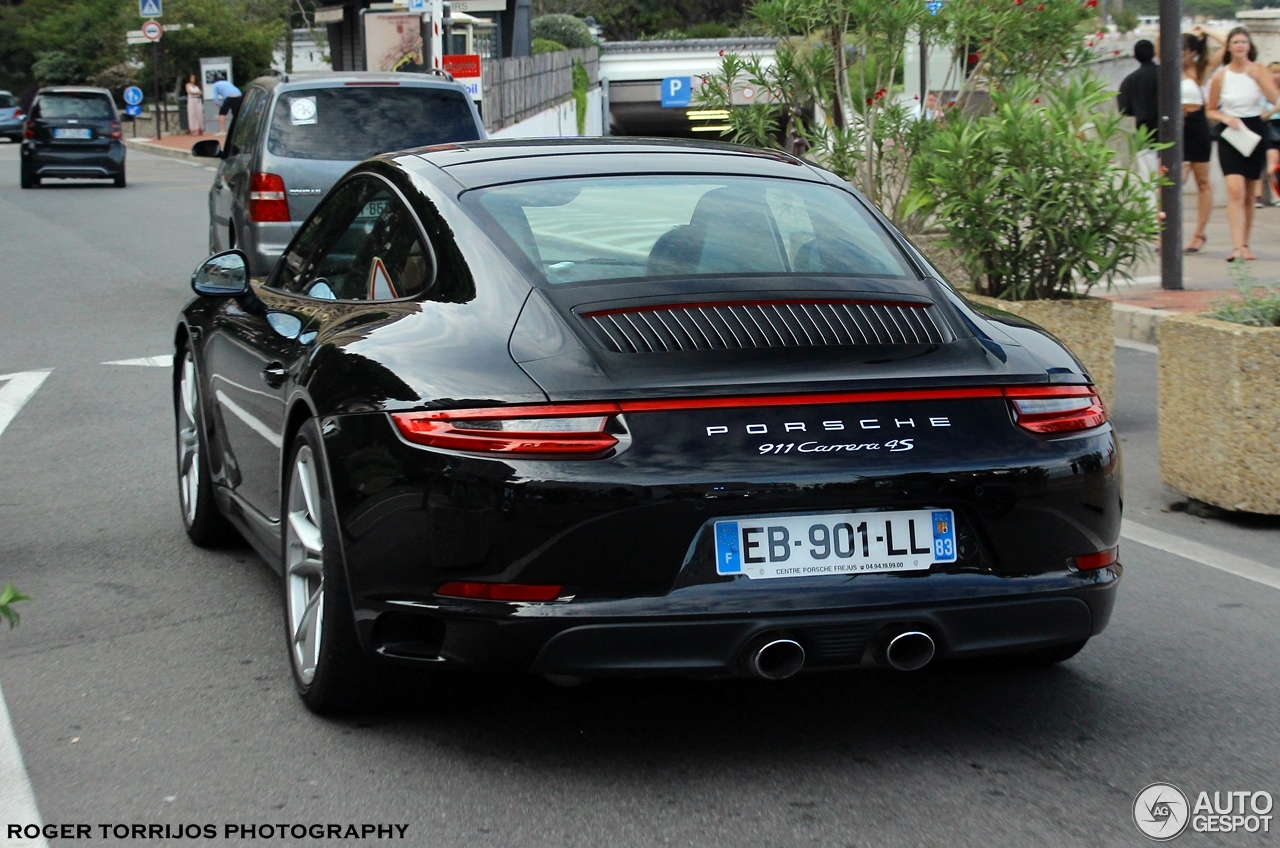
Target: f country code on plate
[{"x": 835, "y": 543}]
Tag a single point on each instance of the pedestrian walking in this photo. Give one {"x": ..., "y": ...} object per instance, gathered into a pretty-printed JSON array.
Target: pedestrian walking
[
  {"x": 1197, "y": 146},
  {"x": 195, "y": 107},
  {"x": 1139, "y": 98},
  {"x": 1235, "y": 96},
  {"x": 1271, "y": 115},
  {"x": 227, "y": 96}
]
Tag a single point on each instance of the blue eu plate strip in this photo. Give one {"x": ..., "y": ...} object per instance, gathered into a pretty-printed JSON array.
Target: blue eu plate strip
[
  {"x": 944, "y": 536},
  {"x": 727, "y": 560}
]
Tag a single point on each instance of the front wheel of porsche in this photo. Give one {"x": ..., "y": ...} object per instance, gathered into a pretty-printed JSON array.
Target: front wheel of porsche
[
  {"x": 329, "y": 668},
  {"x": 204, "y": 523}
]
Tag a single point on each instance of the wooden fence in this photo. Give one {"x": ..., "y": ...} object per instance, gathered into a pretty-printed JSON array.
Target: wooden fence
[{"x": 517, "y": 88}]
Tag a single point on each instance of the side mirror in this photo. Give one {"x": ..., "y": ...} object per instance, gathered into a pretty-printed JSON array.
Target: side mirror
[
  {"x": 207, "y": 149},
  {"x": 224, "y": 274}
]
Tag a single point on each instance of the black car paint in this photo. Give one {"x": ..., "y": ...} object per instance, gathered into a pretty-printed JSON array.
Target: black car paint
[{"x": 413, "y": 518}]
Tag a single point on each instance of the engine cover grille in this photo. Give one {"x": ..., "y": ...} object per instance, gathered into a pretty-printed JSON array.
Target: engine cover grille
[{"x": 774, "y": 324}]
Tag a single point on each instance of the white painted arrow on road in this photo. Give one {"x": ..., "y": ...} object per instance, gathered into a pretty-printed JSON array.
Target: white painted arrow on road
[{"x": 164, "y": 361}]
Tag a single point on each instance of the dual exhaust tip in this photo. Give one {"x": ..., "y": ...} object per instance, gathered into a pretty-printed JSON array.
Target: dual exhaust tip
[{"x": 779, "y": 657}]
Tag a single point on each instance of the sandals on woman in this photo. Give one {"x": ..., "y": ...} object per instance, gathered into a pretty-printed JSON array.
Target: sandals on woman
[{"x": 1196, "y": 249}]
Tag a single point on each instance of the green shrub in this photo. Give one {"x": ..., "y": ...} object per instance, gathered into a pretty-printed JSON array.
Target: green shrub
[
  {"x": 546, "y": 45},
  {"x": 1126, "y": 20},
  {"x": 563, "y": 29},
  {"x": 1032, "y": 194},
  {"x": 709, "y": 29},
  {"x": 8, "y": 598},
  {"x": 55, "y": 68},
  {"x": 581, "y": 82},
  {"x": 1258, "y": 306}
]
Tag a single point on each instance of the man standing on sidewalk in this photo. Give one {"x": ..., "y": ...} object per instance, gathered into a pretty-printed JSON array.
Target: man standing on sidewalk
[
  {"x": 227, "y": 96},
  {"x": 1139, "y": 98}
]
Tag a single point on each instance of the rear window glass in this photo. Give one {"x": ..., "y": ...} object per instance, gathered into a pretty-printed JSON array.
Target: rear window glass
[
  {"x": 358, "y": 122},
  {"x": 75, "y": 106},
  {"x": 7, "y": 101},
  {"x": 636, "y": 227}
]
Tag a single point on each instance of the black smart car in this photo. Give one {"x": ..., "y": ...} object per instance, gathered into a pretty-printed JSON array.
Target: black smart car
[
  {"x": 585, "y": 408},
  {"x": 72, "y": 133}
]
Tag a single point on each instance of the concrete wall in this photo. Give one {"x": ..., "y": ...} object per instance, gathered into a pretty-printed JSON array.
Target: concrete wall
[{"x": 559, "y": 121}]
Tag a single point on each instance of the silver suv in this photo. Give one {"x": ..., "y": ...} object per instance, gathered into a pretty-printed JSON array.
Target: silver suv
[{"x": 292, "y": 139}]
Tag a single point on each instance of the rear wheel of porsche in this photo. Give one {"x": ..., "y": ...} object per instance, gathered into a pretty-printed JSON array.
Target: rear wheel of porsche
[
  {"x": 330, "y": 669},
  {"x": 204, "y": 523}
]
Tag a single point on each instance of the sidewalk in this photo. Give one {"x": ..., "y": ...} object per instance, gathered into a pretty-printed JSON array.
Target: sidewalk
[{"x": 175, "y": 146}]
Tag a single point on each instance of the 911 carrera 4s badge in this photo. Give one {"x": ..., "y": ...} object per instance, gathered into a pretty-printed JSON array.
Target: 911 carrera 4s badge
[{"x": 835, "y": 543}]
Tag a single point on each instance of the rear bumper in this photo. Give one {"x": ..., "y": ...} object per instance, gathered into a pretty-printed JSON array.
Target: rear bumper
[
  {"x": 68, "y": 162},
  {"x": 265, "y": 243},
  {"x": 662, "y": 636}
]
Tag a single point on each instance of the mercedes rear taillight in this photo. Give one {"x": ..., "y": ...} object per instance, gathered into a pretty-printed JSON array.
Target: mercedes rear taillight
[
  {"x": 29, "y": 129},
  {"x": 1056, "y": 409},
  {"x": 115, "y": 130},
  {"x": 267, "y": 201},
  {"x": 565, "y": 429}
]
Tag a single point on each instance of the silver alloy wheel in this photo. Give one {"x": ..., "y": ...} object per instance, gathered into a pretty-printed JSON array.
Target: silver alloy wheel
[
  {"x": 188, "y": 441},
  {"x": 304, "y": 565}
]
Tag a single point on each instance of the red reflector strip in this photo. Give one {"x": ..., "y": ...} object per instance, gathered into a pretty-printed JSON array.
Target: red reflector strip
[
  {"x": 499, "y": 591},
  {"x": 1101, "y": 559},
  {"x": 446, "y": 428}
]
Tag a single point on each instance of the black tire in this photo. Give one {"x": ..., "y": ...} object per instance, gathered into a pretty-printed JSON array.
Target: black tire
[
  {"x": 120, "y": 181},
  {"x": 205, "y": 524},
  {"x": 27, "y": 179},
  {"x": 331, "y": 671}
]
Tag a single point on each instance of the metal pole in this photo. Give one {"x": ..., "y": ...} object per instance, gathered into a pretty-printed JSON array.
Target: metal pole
[
  {"x": 1171, "y": 132},
  {"x": 155, "y": 76},
  {"x": 924, "y": 75}
]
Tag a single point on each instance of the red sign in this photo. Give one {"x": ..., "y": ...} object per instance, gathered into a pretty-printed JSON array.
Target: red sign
[
  {"x": 463, "y": 65},
  {"x": 152, "y": 31}
]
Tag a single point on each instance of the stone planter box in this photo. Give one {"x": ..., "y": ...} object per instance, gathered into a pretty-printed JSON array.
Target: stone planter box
[
  {"x": 1085, "y": 325},
  {"x": 1219, "y": 390}
]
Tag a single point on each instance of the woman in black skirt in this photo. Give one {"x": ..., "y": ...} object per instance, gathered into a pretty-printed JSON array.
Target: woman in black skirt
[
  {"x": 1196, "y": 145},
  {"x": 1235, "y": 99}
]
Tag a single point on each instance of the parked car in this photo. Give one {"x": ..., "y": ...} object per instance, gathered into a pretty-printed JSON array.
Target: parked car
[
  {"x": 10, "y": 117},
  {"x": 293, "y": 138},
  {"x": 72, "y": 133},
  {"x": 584, "y": 408}
]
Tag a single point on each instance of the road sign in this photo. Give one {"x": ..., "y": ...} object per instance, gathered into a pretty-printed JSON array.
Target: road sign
[
  {"x": 676, "y": 92},
  {"x": 465, "y": 69},
  {"x": 150, "y": 9},
  {"x": 134, "y": 109},
  {"x": 133, "y": 95},
  {"x": 417, "y": 6},
  {"x": 152, "y": 31}
]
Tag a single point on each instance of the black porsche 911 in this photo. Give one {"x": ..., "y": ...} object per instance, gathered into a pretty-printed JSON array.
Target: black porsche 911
[{"x": 588, "y": 408}]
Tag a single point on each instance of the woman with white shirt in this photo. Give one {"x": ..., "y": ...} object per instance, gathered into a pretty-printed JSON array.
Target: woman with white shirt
[
  {"x": 1197, "y": 147},
  {"x": 1234, "y": 96}
]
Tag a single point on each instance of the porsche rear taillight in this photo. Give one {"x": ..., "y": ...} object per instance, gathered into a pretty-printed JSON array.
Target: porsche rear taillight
[
  {"x": 1056, "y": 409},
  {"x": 267, "y": 201},
  {"x": 559, "y": 429}
]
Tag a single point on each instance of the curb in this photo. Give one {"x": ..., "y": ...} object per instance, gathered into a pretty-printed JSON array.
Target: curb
[{"x": 158, "y": 149}]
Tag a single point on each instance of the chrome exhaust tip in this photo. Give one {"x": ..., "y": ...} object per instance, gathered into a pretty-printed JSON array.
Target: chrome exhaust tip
[
  {"x": 776, "y": 659},
  {"x": 910, "y": 651}
]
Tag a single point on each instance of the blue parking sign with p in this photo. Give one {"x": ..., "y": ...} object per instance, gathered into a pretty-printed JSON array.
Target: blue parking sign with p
[{"x": 676, "y": 92}]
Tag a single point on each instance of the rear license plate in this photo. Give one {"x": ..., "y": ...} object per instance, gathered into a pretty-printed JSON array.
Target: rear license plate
[
  {"x": 835, "y": 543},
  {"x": 74, "y": 132}
]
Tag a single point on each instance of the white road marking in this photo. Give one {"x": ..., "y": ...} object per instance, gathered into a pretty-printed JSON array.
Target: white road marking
[
  {"x": 1132, "y": 345},
  {"x": 16, "y": 391},
  {"x": 164, "y": 361},
  {"x": 1203, "y": 554},
  {"x": 17, "y": 801}
]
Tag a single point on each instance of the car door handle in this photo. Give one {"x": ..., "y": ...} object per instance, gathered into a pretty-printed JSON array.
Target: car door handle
[{"x": 274, "y": 374}]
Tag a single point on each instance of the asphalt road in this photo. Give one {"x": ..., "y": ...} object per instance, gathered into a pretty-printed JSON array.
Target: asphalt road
[{"x": 148, "y": 682}]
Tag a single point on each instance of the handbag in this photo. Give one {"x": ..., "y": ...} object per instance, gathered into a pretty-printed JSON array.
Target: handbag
[{"x": 1244, "y": 140}]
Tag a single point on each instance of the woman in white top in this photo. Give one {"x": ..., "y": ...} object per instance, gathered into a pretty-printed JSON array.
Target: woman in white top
[
  {"x": 1234, "y": 96},
  {"x": 195, "y": 107},
  {"x": 1197, "y": 147}
]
